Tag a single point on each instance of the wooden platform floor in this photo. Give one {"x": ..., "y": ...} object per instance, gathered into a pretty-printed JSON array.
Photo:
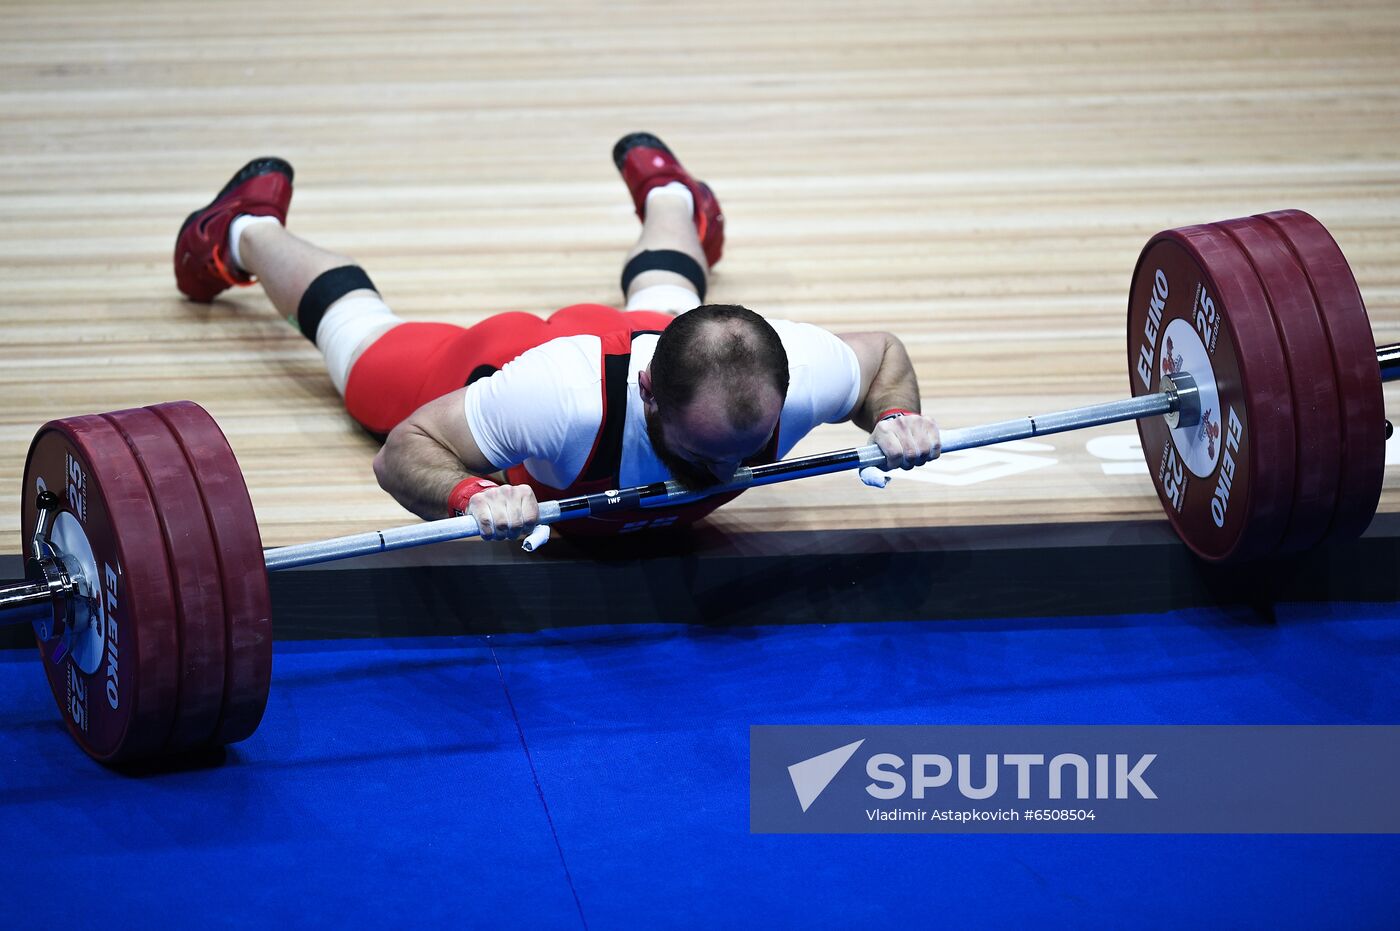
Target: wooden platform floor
[{"x": 977, "y": 177}]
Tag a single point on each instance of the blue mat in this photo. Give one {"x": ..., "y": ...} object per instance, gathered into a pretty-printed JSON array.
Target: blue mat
[{"x": 599, "y": 778}]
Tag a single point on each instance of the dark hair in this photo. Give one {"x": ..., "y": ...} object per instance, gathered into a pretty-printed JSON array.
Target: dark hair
[{"x": 723, "y": 342}]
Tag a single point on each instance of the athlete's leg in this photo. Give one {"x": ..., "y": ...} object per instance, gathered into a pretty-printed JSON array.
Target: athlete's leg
[
  {"x": 385, "y": 367},
  {"x": 285, "y": 264},
  {"x": 667, "y": 230},
  {"x": 682, "y": 227},
  {"x": 414, "y": 363},
  {"x": 324, "y": 294},
  {"x": 240, "y": 236}
]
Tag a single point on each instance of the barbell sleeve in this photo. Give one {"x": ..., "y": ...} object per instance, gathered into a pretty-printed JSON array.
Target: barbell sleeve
[{"x": 25, "y": 602}]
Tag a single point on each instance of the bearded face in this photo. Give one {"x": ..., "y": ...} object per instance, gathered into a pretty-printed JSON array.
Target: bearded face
[{"x": 692, "y": 475}]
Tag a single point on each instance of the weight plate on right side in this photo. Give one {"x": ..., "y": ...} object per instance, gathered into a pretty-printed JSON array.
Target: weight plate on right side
[
  {"x": 1225, "y": 483},
  {"x": 1353, "y": 349},
  {"x": 1310, "y": 370}
]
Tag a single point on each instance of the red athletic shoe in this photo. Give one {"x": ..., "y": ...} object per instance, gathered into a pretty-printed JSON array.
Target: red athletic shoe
[
  {"x": 645, "y": 163},
  {"x": 203, "y": 267}
]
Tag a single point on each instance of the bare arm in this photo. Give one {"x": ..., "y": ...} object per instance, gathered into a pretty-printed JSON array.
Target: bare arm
[
  {"x": 427, "y": 455},
  {"x": 887, "y": 381},
  {"x": 887, "y": 377}
]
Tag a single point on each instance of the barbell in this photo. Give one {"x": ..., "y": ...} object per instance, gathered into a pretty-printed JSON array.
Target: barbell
[{"x": 1256, "y": 387}]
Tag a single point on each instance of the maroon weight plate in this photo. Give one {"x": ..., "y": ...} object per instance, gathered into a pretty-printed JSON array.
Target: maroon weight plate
[
  {"x": 247, "y": 603},
  {"x": 194, "y": 571},
  {"x": 1226, "y": 483},
  {"x": 1354, "y": 357},
  {"x": 1311, "y": 373},
  {"x": 117, "y": 685}
]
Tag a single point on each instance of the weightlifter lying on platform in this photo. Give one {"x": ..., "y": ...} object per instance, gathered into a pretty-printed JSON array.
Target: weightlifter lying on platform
[{"x": 592, "y": 398}]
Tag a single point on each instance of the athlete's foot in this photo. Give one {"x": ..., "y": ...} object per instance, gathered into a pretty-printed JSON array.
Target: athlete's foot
[
  {"x": 204, "y": 265},
  {"x": 646, "y": 163}
]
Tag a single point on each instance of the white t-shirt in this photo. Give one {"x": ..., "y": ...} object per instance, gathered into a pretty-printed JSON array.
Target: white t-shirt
[{"x": 544, "y": 408}]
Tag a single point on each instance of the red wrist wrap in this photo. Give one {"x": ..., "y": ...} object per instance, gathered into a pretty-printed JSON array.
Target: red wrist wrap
[
  {"x": 463, "y": 492},
  {"x": 894, "y": 412}
]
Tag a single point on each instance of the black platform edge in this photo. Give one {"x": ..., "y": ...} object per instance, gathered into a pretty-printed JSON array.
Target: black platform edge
[{"x": 708, "y": 577}]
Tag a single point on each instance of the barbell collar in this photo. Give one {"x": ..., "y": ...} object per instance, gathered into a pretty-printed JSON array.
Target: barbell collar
[
  {"x": 41, "y": 600},
  {"x": 48, "y": 506},
  {"x": 1186, "y": 396}
]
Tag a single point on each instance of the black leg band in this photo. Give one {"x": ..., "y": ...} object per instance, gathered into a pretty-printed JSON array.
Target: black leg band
[
  {"x": 328, "y": 288},
  {"x": 665, "y": 260}
]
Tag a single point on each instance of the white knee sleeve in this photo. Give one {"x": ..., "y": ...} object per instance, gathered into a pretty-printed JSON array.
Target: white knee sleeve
[
  {"x": 664, "y": 297},
  {"x": 350, "y": 325}
]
